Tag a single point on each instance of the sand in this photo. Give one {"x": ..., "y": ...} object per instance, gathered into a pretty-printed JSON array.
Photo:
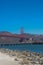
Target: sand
[
  {"x": 18, "y": 59},
  {"x": 7, "y": 60}
]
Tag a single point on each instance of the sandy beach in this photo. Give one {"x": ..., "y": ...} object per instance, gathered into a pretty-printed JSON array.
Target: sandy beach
[
  {"x": 7, "y": 60},
  {"x": 12, "y": 57}
]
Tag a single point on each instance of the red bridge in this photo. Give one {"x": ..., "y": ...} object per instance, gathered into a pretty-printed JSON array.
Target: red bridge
[{"x": 15, "y": 36}]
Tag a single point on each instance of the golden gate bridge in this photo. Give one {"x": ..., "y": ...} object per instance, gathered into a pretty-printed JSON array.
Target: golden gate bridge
[{"x": 21, "y": 35}]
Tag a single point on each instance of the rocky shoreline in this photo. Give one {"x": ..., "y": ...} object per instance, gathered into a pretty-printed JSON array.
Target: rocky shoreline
[{"x": 24, "y": 57}]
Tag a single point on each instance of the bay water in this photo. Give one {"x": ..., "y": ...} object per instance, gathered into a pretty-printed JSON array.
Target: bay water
[{"x": 25, "y": 47}]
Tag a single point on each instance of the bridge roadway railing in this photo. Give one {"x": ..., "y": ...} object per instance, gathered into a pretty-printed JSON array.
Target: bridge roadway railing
[{"x": 15, "y": 36}]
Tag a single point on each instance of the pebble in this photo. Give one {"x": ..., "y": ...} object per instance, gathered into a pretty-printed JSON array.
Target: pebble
[{"x": 25, "y": 57}]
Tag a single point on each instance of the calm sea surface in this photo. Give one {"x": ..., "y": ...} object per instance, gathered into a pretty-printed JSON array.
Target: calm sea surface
[{"x": 29, "y": 47}]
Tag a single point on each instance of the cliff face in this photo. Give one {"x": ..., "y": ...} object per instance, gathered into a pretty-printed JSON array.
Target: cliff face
[{"x": 29, "y": 38}]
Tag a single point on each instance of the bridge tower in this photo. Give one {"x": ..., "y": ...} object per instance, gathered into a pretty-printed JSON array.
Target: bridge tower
[
  {"x": 22, "y": 34},
  {"x": 22, "y": 30}
]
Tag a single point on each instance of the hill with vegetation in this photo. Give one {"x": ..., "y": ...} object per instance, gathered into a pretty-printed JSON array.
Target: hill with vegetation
[{"x": 28, "y": 38}]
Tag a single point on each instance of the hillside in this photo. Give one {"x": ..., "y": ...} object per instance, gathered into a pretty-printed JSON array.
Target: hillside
[{"x": 28, "y": 38}]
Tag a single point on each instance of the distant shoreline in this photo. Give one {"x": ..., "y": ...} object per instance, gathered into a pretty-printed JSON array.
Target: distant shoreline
[
  {"x": 7, "y": 37},
  {"x": 20, "y": 44}
]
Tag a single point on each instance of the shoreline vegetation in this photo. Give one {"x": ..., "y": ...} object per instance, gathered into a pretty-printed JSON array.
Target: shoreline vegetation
[{"x": 16, "y": 57}]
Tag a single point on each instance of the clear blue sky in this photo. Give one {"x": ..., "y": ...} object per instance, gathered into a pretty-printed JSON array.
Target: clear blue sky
[{"x": 17, "y": 13}]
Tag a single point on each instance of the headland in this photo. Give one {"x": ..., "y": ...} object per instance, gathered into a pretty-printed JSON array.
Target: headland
[{"x": 7, "y": 37}]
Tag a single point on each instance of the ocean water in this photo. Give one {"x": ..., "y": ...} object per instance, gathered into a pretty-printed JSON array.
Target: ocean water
[{"x": 28, "y": 47}]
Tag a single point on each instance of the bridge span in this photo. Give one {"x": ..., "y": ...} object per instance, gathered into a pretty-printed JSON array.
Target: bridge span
[{"x": 15, "y": 36}]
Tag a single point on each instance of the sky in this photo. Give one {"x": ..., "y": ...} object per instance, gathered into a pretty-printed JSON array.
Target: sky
[{"x": 15, "y": 14}]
